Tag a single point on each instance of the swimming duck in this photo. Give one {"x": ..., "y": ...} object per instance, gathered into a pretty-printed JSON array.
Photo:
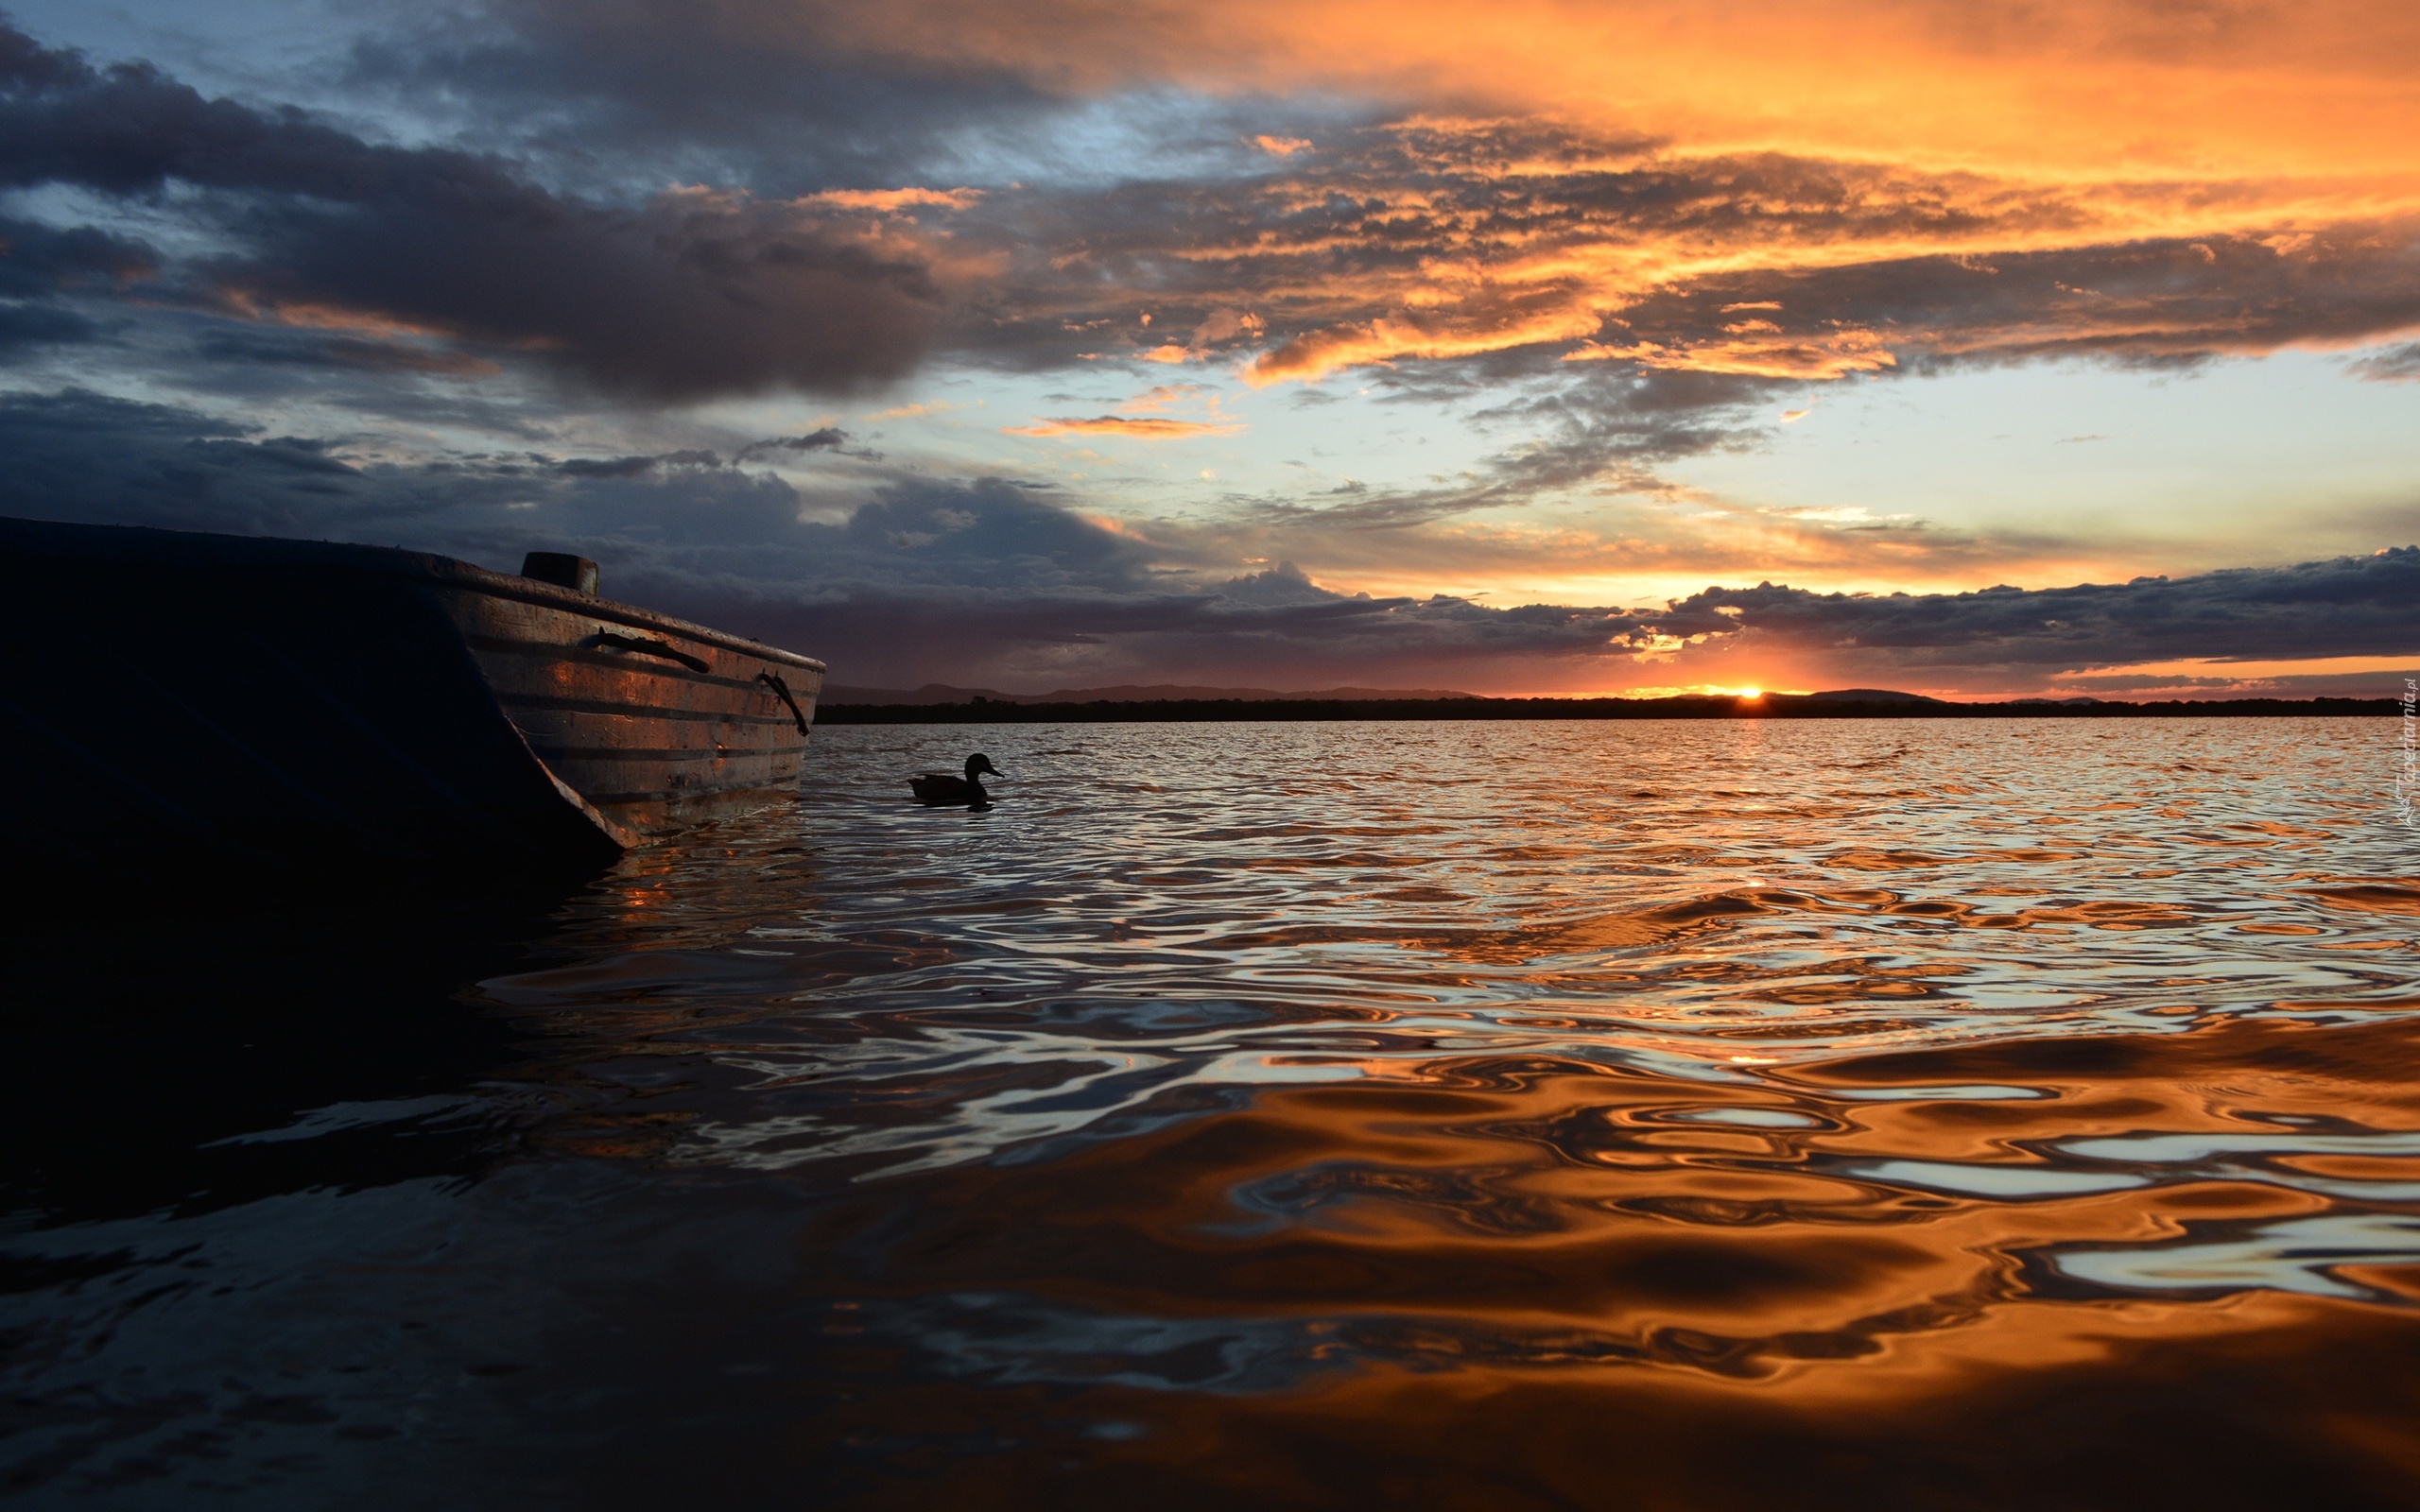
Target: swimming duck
[{"x": 941, "y": 790}]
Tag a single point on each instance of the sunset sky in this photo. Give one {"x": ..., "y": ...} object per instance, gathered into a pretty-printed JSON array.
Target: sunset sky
[{"x": 1538, "y": 347}]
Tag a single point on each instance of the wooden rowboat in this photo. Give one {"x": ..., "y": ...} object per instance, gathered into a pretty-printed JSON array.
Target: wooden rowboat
[{"x": 163, "y": 692}]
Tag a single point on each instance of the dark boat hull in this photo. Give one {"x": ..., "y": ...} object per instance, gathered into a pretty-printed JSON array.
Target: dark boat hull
[{"x": 279, "y": 701}]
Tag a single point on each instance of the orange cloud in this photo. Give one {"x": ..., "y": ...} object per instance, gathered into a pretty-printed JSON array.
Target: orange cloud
[
  {"x": 1145, "y": 428},
  {"x": 1160, "y": 396},
  {"x": 1834, "y": 354},
  {"x": 319, "y": 316},
  {"x": 892, "y": 200},
  {"x": 1947, "y": 129},
  {"x": 2101, "y": 87},
  {"x": 1517, "y": 247},
  {"x": 1444, "y": 334},
  {"x": 1221, "y": 326}
]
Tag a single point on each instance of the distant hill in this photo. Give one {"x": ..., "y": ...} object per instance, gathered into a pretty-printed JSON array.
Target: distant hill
[
  {"x": 1088, "y": 706},
  {"x": 1124, "y": 693}
]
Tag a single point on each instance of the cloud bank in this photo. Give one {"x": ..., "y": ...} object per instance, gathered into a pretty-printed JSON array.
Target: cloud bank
[
  {"x": 687, "y": 294},
  {"x": 996, "y": 581},
  {"x": 546, "y": 274}
]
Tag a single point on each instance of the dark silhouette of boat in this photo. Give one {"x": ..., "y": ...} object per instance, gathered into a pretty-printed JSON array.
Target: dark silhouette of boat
[{"x": 166, "y": 693}]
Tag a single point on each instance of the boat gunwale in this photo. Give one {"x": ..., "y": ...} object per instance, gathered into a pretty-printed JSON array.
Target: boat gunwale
[
  {"x": 616, "y": 660},
  {"x": 468, "y": 577}
]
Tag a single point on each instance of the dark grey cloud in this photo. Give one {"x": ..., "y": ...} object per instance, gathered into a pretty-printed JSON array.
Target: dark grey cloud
[
  {"x": 608, "y": 92},
  {"x": 826, "y": 439},
  {"x": 2395, "y": 364},
  {"x": 631, "y": 467},
  {"x": 940, "y": 570},
  {"x": 2349, "y": 606},
  {"x": 40, "y": 261},
  {"x": 680, "y": 297},
  {"x": 83, "y": 456},
  {"x": 28, "y": 323},
  {"x": 927, "y": 580},
  {"x": 2158, "y": 299},
  {"x": 42, "y": 267},
  {"x": 921, "y": 577},
  {"x": 237, "y": 347},
  {"x": 1605, "y": 421}
]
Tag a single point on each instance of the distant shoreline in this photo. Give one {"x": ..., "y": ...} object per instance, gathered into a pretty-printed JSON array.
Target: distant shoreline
[{"x": 1782, "y": 706}]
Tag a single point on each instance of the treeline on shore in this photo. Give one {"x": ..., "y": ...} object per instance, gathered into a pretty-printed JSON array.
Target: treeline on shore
[{"x": 994, "y": 711}]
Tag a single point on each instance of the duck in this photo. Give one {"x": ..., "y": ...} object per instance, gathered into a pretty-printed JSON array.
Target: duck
[{"x": 941, "y": 790}]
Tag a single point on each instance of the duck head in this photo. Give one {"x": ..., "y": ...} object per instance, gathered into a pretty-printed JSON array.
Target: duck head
[{"x": 979, "y": 765}]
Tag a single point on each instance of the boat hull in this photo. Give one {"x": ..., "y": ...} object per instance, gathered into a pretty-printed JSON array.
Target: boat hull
[{"x": 284, "y": 701}]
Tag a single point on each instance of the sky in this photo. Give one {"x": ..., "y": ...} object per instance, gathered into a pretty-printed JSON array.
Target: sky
[{"x": 1629, "y": 346}]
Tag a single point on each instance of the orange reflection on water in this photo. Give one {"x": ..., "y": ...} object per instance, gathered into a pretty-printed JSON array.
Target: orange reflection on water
[
  {"x": 1489, "y": 1115},
  {"x": 1620, "y": 1219}
]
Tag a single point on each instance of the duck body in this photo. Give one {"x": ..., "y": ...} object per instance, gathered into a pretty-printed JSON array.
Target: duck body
[{"x": 942, "y": 790}]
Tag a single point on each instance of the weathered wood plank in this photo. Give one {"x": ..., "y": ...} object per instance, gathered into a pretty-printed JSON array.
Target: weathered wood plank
[{"x": 660, "y": 728}]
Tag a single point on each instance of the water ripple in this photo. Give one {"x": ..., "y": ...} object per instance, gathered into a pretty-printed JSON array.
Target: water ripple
[{"x": 1291, "y": 1068}]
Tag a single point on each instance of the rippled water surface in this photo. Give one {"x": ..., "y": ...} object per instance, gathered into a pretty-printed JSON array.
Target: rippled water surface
[{"x": 1666, "y": 1115}]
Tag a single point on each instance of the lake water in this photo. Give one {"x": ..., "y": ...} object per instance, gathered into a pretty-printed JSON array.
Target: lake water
[{"x": 1687, "y": 1115}]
